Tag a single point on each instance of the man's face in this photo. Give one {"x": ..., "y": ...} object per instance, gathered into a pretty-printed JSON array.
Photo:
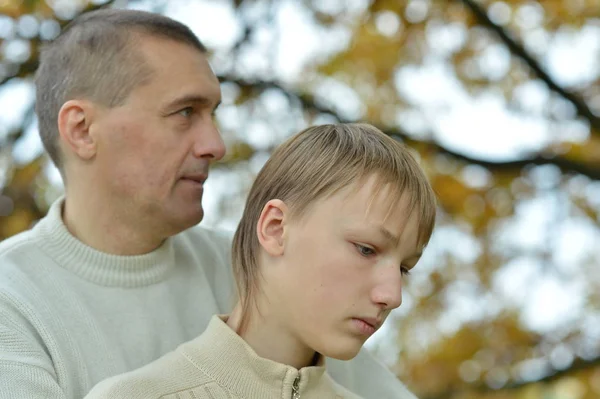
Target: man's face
[
  {"x": 154, "y": 151},
  {"x": 342, "y": 271}
]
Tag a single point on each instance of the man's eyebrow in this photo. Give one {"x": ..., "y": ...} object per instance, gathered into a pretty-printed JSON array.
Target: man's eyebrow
[{"x": 191, "y": 99}]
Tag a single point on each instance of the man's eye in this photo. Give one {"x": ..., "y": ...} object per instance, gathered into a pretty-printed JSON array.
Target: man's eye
[
  {"x": 187, "y": 112},
  {"x": 365, "y": 251}
]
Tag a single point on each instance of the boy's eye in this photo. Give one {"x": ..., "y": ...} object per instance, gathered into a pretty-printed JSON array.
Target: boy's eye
[{"x": 365, "y": 251}]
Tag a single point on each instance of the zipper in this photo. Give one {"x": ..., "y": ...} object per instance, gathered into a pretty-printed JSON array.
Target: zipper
[{"x": 296, "y": 388}]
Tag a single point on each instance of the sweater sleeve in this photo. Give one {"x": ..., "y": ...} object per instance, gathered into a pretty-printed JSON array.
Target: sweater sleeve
[
  {"x": 25, "y": 381},
  {"x": 368, "y": 378},
  {"x": 26, "y": 370}
]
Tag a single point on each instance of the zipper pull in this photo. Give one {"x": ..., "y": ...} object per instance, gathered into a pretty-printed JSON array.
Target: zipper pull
[{"x": 296, "y": 388}]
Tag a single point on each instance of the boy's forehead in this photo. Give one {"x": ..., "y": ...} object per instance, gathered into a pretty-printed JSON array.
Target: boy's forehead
[
  {"x": 382, "y": 200},
  {"x": 387, "y": 216},
  {"x": 364, "y": 198}
]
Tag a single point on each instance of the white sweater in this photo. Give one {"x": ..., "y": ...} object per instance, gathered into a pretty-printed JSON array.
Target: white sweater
[
  {"x": 220, "y": 364},
  {"x": 71, "y": 316}
]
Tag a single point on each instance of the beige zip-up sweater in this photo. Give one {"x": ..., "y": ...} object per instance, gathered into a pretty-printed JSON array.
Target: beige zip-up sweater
[{"x": 220, "y": 364}]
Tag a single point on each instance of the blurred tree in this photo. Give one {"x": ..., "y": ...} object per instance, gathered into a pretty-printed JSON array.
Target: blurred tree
[{"x": 506, "y": 302}]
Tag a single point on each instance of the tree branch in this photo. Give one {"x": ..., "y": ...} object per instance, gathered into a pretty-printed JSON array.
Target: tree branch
[
  {"x": 578, "y": 365},
  {"x": 518, "y": 50},
  {"x": 308, "y": 102},
  {"x": 28, "y": 68}
]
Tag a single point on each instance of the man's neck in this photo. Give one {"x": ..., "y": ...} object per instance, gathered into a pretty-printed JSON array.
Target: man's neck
[
  {"x": 95, "y": 224},
  {"x": 271, "y": 341}
]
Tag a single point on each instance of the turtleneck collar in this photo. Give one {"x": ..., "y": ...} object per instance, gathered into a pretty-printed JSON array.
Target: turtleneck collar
[{"x": 100, "y": 267}]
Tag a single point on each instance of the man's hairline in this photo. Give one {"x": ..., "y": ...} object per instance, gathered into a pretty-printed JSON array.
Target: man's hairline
[{"x": 142, "y": 34}]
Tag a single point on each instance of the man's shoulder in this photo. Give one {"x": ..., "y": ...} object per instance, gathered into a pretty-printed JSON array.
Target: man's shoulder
[
  {"x": 340, "y": 391},
  {"x": 17, "y": 245},
  {"x": 206, "y": 235},
  {"x": 206, "y": 242},
  {"x": 21, "y": 301},
  {"x": 210, "y": 250},
  {"x": 16, "y": 260}
]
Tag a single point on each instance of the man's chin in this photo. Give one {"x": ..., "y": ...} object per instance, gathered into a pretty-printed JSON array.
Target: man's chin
[
  {"x": 186, "y": 220},
  {"x": 195, "y": 218}
]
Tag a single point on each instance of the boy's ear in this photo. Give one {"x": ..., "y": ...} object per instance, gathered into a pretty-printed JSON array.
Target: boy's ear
[
  {"x": 74, "y": 119},
  {"x": 271, "y": 227}
]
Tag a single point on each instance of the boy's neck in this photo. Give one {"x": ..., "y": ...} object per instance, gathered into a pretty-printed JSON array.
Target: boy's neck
[{"x": 272, "y": 341}]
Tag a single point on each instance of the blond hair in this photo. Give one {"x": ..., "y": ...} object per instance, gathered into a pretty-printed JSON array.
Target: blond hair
[{"x": 316, "y": 163}]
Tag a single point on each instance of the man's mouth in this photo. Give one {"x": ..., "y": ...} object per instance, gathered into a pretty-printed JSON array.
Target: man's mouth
[{"x": 200, "y": 178}]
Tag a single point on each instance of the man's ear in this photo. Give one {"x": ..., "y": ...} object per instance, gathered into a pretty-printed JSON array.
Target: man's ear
[
  {"x": 74, "y": 119},
  {"x": 271, "y": 226}
]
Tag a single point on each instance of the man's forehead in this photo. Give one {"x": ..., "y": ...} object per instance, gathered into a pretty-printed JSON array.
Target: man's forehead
[
  {"x": 183, "y": 72},
  {"x": 170, "y": 55}
]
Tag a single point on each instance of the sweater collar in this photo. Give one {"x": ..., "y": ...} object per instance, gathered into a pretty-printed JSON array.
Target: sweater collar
[
  {"x": 233, "y": 364},
  {"x": 100, "y": 267}
]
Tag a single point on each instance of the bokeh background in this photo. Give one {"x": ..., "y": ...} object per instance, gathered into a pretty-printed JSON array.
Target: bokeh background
[{"x": 500, "y": 101}]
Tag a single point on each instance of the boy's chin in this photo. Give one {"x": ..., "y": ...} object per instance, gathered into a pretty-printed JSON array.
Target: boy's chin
[{"x": 347, "y": 352}]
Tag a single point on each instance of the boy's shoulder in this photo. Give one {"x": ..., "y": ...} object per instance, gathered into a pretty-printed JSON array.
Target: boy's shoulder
[{"x": 165, "y": 377}]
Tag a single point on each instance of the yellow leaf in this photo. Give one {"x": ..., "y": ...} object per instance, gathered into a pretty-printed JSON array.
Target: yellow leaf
[{"x": 19, "y": 220}]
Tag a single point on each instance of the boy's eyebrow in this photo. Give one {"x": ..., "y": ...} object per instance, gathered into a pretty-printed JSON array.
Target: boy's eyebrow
[
  {"x": 394, "y": 239},
  {"x": 388, "y": 235}
]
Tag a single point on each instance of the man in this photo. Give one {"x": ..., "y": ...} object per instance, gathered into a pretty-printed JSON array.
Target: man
[{"x": 103, "y": 284}]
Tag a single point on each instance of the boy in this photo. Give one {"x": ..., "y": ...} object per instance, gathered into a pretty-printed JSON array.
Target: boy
[{"x": 333, "y": 221}]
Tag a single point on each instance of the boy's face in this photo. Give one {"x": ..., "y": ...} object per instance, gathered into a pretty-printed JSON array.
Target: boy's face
[{"x": 343, "y": 269}]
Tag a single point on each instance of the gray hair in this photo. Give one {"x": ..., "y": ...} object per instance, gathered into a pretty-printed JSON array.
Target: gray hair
[{"x": 95, "y": 58}]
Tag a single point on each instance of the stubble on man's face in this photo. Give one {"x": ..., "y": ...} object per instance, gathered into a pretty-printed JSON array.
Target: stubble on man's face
[{"x": 154, "y": 139}]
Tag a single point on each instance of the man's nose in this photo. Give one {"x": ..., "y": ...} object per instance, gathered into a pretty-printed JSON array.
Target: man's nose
[{"x": 209, "y": 143}]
